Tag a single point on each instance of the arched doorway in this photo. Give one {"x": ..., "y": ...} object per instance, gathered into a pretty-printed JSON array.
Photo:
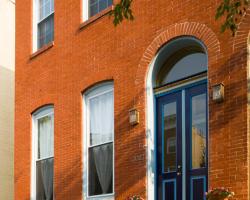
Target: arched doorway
[{"x": 179, "y": 80}]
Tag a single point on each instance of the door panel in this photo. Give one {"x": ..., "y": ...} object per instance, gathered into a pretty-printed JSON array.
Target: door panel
[
  {"x": 169, "y": 147},
  {"x": 169, "y": 189},
  {"x": 196, "y": 134},
  {"x": 169, "y": 144}
]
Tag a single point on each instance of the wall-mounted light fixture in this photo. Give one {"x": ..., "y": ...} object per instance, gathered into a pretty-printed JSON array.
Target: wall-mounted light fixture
[
  {"x": 133, "y": 116},
  {"x": 218, "y": 92}
]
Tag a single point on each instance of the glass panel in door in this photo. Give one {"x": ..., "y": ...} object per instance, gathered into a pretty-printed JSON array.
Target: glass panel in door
[
  {"x": 196, "y": 134},
  {"x": 199, "y": 131},
  {"x": 169, "y": 156},
  {"x": 169, "y": 137}
]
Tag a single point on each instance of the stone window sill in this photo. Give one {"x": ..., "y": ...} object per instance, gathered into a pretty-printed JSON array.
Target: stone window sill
[
  {"x": 42, "y": 50},
  {"x": 96, "y": 17}
]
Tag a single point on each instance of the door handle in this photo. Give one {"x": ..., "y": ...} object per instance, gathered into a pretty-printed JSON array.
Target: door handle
[{"x": 179, "y": 170}]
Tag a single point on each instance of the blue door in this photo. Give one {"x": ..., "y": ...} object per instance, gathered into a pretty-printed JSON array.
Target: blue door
[{"x": 182, "y": 144}]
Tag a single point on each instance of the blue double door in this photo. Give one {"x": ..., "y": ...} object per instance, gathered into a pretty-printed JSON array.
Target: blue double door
[{"x": 182, "y": 140}]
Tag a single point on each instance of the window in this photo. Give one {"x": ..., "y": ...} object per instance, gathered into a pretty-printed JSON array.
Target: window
[
  {"x": 171, "y": 145},
  {"x": 92, "y": 7},
  {"x": 180, "y": 59},
  {"x": 99, "y": 137},
  {"x": 183, "y": 65},
  {"x": 43, "y": 154},
  {"x": 44, "y": 23}
]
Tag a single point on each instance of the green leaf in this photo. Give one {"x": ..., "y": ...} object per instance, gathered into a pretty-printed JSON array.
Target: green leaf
[{"x": 122, "y": 11}]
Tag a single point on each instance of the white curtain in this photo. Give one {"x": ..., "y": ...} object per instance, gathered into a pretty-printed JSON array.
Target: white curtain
[
  {"x": 101, "y": 118},
  {"x": 45, "y": 150},
  {"x": 103, "y": 156},
  {"x": 46, "y": 137},
  {"x": 47, "y": 177},
  {"x": 101, "y": 111}
]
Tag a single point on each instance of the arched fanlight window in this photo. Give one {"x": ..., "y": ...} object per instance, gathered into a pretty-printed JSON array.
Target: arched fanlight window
[{"x": 180, "y": 59}]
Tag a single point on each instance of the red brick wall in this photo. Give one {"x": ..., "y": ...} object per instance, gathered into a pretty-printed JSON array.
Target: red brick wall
[{"x": 98, "y": 52}]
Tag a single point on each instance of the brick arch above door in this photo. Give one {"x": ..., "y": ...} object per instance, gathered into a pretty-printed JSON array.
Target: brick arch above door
[{"x": 200, "y": 31}]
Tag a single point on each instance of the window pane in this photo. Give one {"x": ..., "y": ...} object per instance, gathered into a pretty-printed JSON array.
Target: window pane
[
  {"x": 93, "y": 9},
  {"x": 101, "y": 169},
  {"x": 110, "y": 2},
  {"x": 41, "y": 34},
  {"x": 91, "y": 2},
  {"x": 103, "y": 4},
  {"x": 101, "y": 112},
  {"x": 199, "y": 131},
  {"x": 52, "y": 5},
  {"x": 45, "y": 137},
  {"x": 188, "y": 65},
  {"x": 44, "y": 179},
  {"x": 97, "y": 6},
  {"x": 46, "y": 31},
  {"x": 170, "y": 137},
  {"x": 46, "y": 7}
]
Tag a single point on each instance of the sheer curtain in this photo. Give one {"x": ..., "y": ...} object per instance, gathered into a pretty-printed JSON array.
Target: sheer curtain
[
  {"x": 103, "y": 156},
  {"x": 101, "y": 119},
  {"x": 46, "y": 137},
  {"x": 101, "y": 132},
  {"x": 47, "y": 177},
  {"x": 46, "y": 151}
]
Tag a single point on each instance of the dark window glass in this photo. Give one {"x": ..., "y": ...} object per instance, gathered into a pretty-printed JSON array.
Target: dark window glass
[
  {"x": 170, "y": 122},
  {"x": 45, "y": 27},
  {"x": 44, "y": 179},
  {"x": 96, "y": 6},
  {"x": 46, "y": 31},
  {"x": 183, "y": 67},
  {"x": 199, "y": 131},
  {"x": 101, "y": 169}
]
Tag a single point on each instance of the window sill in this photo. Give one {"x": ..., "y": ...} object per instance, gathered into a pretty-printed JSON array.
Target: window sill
[
  {"x": 96, "y": 17},
  {"x": 41, "y": 50},
  {"x": 102, "y": 197}
]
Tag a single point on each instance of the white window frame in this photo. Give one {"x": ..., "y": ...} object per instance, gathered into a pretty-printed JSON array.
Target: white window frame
[
  {"x": 43, "y": 112},
  {"x": 85, "y": 10},
  {"x": 94, "y": 92},
  {"x": 35, "y": 24}
]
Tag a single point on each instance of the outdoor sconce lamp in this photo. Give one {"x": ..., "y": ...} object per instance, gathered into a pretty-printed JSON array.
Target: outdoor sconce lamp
[
  {"x": 133, "y": 116},
  {"x": 218, "y": 92}
]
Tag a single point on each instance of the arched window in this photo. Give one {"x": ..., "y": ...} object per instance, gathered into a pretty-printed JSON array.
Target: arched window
[
  {"x": 179, "y": 59},
  {"x": 179, "y": 68},
  {"x": 42, "y": 154},
  {"x": 98, "y": 175}
]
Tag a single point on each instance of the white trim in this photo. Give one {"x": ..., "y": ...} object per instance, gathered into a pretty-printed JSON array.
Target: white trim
[
  {"x": 85, "y": 10},
  {"x": 150, "y": 130},
  {"x": 34, "y": 24},
  {"x": 94, "y": 92},
  {"x": 44, "y": 18},
  {"x": 96, "y": 145},
  {"x": 45, "y": 111},
  {"x": 181, "y": 85}
]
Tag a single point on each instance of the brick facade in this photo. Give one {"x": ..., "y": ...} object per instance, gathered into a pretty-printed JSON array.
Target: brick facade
[{"x": 84, "y": 56}]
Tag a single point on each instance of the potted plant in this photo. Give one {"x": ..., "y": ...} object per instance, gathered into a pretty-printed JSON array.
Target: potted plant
[{"x": 219, "y": 194}]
